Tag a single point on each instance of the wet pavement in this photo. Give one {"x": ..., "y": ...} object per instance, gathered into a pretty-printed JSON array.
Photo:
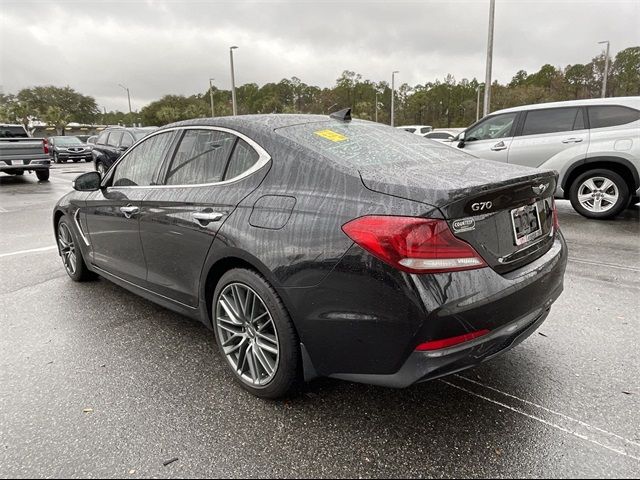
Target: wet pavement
[{"x": 97, "y": 382}]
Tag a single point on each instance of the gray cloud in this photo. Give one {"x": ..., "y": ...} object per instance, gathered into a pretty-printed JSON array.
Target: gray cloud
[{"x": 159, "y": 47}]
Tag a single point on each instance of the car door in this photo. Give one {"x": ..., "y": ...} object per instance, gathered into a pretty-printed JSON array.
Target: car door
[
  {"x": 492, "y": 137},
  {"x": 211, "y": 171},
  {"x": 550, "y": 133},
  {"x": 112, "y": 213}
]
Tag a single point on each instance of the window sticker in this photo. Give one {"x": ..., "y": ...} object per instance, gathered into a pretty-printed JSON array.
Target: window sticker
[{"x": 331, "y": 135}]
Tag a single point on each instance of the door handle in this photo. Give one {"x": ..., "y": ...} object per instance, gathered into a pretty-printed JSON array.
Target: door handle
[
  {"x": 129, "y": 210},
  {"x": 205, "y": 218},
  {"x": 572, "y": 140},
  {"x": 499, "y": 146}
]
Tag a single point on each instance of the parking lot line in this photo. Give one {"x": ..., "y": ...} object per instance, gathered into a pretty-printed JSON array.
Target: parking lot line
[
  {"x": 603, "y": 264},
  {"x": 32, "y": 250},
  {"x": 597, "y": 436}
]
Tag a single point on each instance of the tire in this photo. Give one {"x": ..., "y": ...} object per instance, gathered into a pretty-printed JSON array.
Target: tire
[
  {"x": 56, "y": 158},
  {"x": 256, "y": 335},
  {"x": 612, "y": 200},
  {"x": 43, "y": 175},
  {"x": 68, "y": 246}
]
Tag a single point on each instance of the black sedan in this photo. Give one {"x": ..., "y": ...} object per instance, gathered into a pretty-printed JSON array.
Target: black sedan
[
  {"x": 316, "y": 246},
  {"x": 65, "y": 148}
]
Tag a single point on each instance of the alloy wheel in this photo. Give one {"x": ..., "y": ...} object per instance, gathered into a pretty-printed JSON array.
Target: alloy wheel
[
  {"x": 247, "y": 334},
  {"x": 67, "y": 248},
  {"x": 598, "y": 194}
]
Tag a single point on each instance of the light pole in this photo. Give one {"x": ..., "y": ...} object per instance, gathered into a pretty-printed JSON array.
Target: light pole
[
  {"x": 233, "y": 81},
  {"x": 393, "y": 95},
  {"x": 606, "y": 69},
  {"x": 487, "y": 82},
  {"x": 128, "y": 96},
  {"x": 211, "y": 95},
  {"x": 478, "y": 103},
  {"x": 376, "y": 106}
]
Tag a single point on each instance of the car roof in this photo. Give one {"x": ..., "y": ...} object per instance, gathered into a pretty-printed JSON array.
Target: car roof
[{"x": 626, "y": 101}]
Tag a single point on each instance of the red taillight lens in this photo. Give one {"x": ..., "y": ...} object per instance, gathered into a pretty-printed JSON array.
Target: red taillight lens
[
  {"x": 556, "y": 221},
  {"x": 45, "y": 145},
  {"x": 450, "y": 342},
  {"x": 415, "y": 245}
]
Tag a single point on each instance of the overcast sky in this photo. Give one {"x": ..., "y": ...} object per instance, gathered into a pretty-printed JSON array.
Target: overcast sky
[{"x": 157, "y": 47}]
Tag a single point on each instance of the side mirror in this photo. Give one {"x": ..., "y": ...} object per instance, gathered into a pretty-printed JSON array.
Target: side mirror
[
  {"x": 88, "y": 182},
  {"x": 460, "y": 139}
]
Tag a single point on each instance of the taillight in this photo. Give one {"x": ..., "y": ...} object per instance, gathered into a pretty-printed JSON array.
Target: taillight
[
  {"x": 411, "y": 244},
  {"x": 45, "y": 145},
  {"x": 450, "y": 342},
  {"x": 556, "y": 221}
]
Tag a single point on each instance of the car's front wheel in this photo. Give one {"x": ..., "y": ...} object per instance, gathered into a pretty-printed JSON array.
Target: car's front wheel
[
  {"x": 255, "y": 334},
  {"x": 599, "y": 194},
  {"x": 70, "y": 252}
]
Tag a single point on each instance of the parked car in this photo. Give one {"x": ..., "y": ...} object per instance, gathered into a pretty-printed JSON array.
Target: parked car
[
  {"x": 20, "y": 153},
  {"x": 417, "y": 129},
  {"x": 317, "y": 246},
  {"x": 443, "y": 135},
  {"x": 593, "y": 144},
  {"x": 65, "y": 148},
  {"x": 83, "y": 138},
  {"x": 113, "y": 142}
]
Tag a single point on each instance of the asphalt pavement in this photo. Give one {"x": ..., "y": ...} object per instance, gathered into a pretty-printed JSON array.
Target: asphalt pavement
[{"x": 96, "y": 382}]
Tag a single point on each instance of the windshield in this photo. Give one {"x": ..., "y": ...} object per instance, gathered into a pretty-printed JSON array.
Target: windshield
[
  {"x": 67, "y": 141},
  {"x": 12, "y": 132},
  {"x": 138, "y": 134}
]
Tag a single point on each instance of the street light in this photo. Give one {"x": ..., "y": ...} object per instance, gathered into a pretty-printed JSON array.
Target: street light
[
  {"x": 606, "y": 69},
  {"x": 478, "y": 103},
  {"x": 487, "y": 82},
  {"x": 211, "y": 95},
  {"x": 393, "y": 94},
  {"x": 376, "y": 106},
  {"x": 128, "y": 96},
  {"x": 233, "y": 81}
]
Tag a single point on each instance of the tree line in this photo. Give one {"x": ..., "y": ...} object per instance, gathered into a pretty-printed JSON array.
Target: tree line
[{"x": 442, "y": 103}]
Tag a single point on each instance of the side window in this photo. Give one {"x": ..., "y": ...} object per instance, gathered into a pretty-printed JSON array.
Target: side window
[
  {"x": 410, "y": 130},
  {"x": 424, "y": 130},
  {"x": 495, "y": 127},
  {"x": 139, "y": 166},
  {"x": 127, "y": 140},
  {"x": 114, "y": 139},
  {"x": 243, "y": 158},
  {"x": 439, "y": 135},
  {"x": 611, "y": 115},
  {"x": 550, "y": 121},
  {"x": 102, "y": 139}
]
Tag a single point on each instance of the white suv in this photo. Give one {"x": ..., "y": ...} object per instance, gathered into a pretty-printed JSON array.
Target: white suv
[{"x": 593, "y": 144}]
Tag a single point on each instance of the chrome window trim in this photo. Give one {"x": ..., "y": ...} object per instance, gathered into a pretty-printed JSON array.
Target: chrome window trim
[{"x": 263, "y": 157}]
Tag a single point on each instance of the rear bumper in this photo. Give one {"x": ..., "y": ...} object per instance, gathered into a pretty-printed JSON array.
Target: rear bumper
[
  {"x": 424, "y": 366},
  {"x": 365, "y": 320},
  {"x": 32, "y": 165}
]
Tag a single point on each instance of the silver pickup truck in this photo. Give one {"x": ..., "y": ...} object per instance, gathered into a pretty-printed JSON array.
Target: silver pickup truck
[{"x": 20, "y": 153}]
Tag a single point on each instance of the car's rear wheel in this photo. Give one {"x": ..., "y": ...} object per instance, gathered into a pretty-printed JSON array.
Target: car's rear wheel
[
  {"x": 56, "y": 158},
  {"x": 255, "y": 334},
  {"x": 599, "y": 194},
  {"x": 43, "y": 175},
  {"x": 70, "y": 252}
]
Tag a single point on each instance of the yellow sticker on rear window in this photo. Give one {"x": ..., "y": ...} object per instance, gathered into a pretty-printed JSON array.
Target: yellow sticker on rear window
[{"x": 331, "y": 135}]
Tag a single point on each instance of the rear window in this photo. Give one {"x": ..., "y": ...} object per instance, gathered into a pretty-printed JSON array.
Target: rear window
[
  {"x": 114, "y": 139},
  {"x": 362, "y": 145},
  {"x": 439, "y": 135},
  {"x": 7, "y": 131},
  {"x": 550, "y": 121},
  {"x": 611, "y": 115}
]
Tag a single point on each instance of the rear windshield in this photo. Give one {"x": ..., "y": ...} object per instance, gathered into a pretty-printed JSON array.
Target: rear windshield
[
  {"x": 363, "y": 145},
  {"x": 12, "y": 132}
]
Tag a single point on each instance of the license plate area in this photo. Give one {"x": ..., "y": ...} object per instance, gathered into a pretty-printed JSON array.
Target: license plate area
[{"x": 526, "y": 224}]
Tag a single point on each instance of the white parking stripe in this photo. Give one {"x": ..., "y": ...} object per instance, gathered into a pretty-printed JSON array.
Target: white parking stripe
[
  {"x": 24, "y": 252},
  {"x": 584, "y": 431}
]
